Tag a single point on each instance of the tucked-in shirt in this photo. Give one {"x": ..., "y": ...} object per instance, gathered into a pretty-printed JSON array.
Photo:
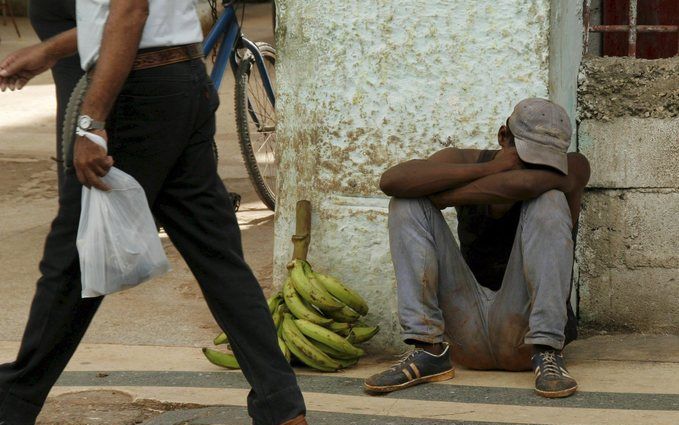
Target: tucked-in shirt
[{"x": 170, "y": 23}]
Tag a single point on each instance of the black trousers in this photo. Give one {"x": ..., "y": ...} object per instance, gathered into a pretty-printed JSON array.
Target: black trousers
[
  {"x": 160, "y": 131},
  {"x": 49, "y": 18}
]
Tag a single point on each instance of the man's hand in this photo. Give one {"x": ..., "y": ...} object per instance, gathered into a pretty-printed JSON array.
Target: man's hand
[
  {"x": 21, "y": 66},
  {"x": 437, "y": 200},
  {"x": 508, "y": 159},
  {"x": 91, "y": 162}
]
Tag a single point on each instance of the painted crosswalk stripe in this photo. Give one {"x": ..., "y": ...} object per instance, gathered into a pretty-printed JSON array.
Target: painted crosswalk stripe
[{"x": 338, "y": 384}]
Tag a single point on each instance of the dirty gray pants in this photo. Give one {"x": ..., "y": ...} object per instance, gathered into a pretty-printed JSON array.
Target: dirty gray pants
[{"x": 439, "y": 298}]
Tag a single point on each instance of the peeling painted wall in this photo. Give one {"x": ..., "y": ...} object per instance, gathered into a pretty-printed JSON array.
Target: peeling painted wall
[
  {"x": 628, "y": 250},
  {"x": 365, "y": 85},
  {"x": 565, "y": 53}
]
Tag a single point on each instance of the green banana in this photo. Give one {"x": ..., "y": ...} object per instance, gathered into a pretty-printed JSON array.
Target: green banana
[
  {"x": 309, "y": 289},
  {"x": 274, "y": 301},
  {"x": 284, "y": 348},
  {"x": 335, "y": 354},
  {"x": 327, "y": 337},
  {"x": 348, "y": 362},
  {"x": 299, "y": 279},
  {"x": 345, "y": 333},
  {"x": 278, "y": 316},
  {"x": 362, "y": 334},
  {"x": 298, "y": 308},
  {"x": 309, "y": 361},
  {"x": 335, "y": 326},
  {"x": 304, "y": 349},
  {"x": 221, "y": 339},
  {"x": 338, "y": 290},
  {"x": 218, "y": 358},
  {"x": 344, "y": 315}
]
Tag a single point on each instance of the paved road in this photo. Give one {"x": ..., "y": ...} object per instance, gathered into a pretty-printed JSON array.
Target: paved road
[{"x": 141, "y": 357}]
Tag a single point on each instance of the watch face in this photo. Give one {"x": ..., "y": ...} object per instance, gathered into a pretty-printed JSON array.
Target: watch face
[{"x": 84, "y": 122}]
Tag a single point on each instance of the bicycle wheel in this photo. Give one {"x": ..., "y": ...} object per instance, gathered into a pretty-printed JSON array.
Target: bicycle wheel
[
  {"x": 71, "y": 121},
  {"x": 256, "y": 124}
]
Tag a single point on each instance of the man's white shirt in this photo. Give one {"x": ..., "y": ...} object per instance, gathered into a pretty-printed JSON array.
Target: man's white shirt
[{"x": 170, "y": 23}]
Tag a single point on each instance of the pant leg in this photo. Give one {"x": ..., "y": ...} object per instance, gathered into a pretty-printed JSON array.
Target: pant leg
[
  {"x": 57, "y": 321},
  {"x": 147, "y": 129},
  {"x": 194, "y": 208},
  {"x": 438, "y": 296},
  {"x": 530, "y": 308},
  {"x": 49, "y": 18}
]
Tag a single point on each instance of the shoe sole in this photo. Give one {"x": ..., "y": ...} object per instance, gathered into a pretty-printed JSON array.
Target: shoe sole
[
  {"x": 443, "y": 376},
  {"x": 556, "y": 394}
]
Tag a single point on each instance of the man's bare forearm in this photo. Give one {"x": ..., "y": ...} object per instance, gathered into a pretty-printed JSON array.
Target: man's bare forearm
[
  {"x": 421, "y": 177},
  {"x": 62, "y": 45},
  {"x": 19, "y": 67},
  {"x": 503, "y": 188},
  {"x": 119, "y": 46}
]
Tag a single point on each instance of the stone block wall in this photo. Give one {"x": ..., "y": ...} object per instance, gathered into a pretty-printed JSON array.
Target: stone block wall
[{"x": 628, "y": 239}]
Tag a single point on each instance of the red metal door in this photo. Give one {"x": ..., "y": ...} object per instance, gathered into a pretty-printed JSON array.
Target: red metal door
[{"x": 650, "y": 45}]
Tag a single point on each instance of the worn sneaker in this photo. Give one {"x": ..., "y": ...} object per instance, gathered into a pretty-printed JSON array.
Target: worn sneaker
[
  {"x": 417, "y": 367},
  {"x": 551, "y": 377}
]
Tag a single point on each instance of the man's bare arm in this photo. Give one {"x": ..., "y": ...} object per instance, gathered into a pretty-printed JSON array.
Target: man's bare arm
[
  {"x": 503, "y": 188},
  {"x": 446, "y": 169},
  {"x": 119, "y": 46},
  {"x": 520, "y": 185},
  {"x": 21, "y": 66}
]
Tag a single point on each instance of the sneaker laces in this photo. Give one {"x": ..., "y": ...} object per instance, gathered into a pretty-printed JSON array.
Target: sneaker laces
[
  {"x": 549, "y": 363},
  {"x": 405, "y": 357}
]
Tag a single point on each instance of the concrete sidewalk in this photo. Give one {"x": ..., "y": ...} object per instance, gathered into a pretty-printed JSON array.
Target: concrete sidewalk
[{"x": 624, "y": 379}]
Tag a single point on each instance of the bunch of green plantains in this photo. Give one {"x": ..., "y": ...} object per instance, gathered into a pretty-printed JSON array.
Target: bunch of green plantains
[{"x": 318, "y": 322}]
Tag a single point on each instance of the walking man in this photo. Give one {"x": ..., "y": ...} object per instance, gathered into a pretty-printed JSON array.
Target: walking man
[
  {"x": 150, "y": 98},
  {"x": 499, "y": 299},
  {"x": 50, "y": 18}
]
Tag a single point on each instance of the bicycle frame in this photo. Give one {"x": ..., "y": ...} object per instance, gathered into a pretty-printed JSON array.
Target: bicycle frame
[{"x": 228, "y": 31}]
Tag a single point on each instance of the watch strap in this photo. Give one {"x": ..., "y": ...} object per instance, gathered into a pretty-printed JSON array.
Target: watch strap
[
  {"x": 97, "y": 125},
  {"x": 91, "y": 123}
]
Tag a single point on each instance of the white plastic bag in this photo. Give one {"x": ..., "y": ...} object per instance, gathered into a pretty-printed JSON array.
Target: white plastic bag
[{"x": 117, "y": 242}]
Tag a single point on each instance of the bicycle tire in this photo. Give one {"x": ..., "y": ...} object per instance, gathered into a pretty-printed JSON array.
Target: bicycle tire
[
  {"x": 264, "y": 186},
  {"x": 71, "y": 121}
]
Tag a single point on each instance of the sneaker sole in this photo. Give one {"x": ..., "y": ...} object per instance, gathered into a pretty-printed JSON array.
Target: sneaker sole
[
  {"x": 557, "y": 394},
  {"x": 443, "y": 376}
]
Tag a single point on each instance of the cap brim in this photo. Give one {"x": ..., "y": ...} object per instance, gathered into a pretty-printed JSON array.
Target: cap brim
[{"x": 534, "y": 153}]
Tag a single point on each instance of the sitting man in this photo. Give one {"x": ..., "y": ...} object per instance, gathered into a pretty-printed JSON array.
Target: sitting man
[{"x": 503, "y": 292}]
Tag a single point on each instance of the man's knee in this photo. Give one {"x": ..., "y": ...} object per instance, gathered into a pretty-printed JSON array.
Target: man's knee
[
  {"x": 403, "y": 210},
  {"x": 550, "y": 210}
]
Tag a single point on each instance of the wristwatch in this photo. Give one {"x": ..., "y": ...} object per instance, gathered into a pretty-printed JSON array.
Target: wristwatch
[{"x": 86, "y": 123}]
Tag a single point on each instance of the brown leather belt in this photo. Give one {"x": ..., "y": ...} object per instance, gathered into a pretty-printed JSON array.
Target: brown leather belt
[{"x": 158, "y": 57}]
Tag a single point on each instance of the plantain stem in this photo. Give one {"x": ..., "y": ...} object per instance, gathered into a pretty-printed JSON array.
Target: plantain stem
[{"x": 302, "y": 236}]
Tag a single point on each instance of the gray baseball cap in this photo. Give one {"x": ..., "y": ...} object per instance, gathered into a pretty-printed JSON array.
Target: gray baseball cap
[{"x": 542, "y": 133}]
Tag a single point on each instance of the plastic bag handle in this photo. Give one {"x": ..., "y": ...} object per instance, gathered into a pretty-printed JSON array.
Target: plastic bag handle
[{"x": 96, "y": 139}]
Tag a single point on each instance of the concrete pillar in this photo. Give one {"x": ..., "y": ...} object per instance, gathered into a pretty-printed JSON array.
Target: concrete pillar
[{"x": 363, "y": 85}]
